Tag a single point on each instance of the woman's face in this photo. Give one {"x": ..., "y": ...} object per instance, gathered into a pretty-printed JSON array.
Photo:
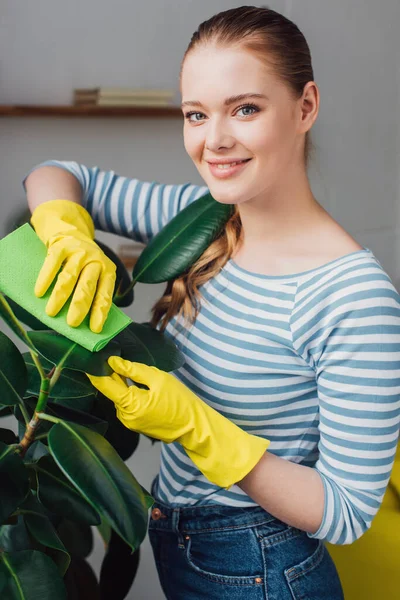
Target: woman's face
[{"x": 260, "y": 131}]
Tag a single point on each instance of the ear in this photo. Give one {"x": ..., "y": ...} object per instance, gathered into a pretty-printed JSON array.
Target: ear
[{"x": 309, "y": 106}]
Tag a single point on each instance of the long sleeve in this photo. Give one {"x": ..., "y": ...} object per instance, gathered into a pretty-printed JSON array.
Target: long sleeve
[
  {"x": 134, "y": 209},
  {"x": 346, "y": 326}
]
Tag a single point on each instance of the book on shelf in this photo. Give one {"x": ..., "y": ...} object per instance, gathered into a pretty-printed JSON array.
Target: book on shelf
[
  {"x": 130, "y": 92},
  {"x": 122, "y": 102},
  {"x": 122, "y": 97}
]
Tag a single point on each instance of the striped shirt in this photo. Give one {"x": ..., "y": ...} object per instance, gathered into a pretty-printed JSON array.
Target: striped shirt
[{"x": 310, "y": 361}]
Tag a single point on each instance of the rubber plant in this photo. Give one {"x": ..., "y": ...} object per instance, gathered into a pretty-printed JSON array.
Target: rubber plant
[{"x": 62, "y": 469}]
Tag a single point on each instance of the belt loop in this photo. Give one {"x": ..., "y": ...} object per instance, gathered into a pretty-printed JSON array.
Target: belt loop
[{"x": 175, "y": 526}]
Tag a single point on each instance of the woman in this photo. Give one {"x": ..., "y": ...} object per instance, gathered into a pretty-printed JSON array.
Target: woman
[{"x": 280, "y": 429}]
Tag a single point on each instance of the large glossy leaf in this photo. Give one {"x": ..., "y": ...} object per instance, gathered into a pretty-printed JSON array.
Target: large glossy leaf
[
  {"x": 65, "y": 413},
  {"x": 71, "y": 384},
  {"x": 5, "y": 411},
  {"x": 35, "y": 452},
  {"x": 58, "y": 495},
  {"x": 14, "y": 481},
  {"x": 58, "y": 349},
  {"x": 76, "y": 537},
  {"x": 95, "y": 468},
  {"x": 30, "y": 575},
  {"x": 118, "y": 569},
  {"x": 7, "y": 436},
  {"x": 182, "y": 241},
  {"x": 42, "y": 530},
  {"x": 142, "y": 343},
  {"x": 25, "y": 317},
  {"x": 123, "y": 279},
  {"x": 16, "y": 537},
  {"x": 80, "y": 581},
  {"x": 122, "y": 439},
  {"x": 13, "y": 373}
]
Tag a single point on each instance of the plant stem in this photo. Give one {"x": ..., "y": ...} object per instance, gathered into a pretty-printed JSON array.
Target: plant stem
[
  {"x": 43, "y": 395},
  {"x": 54, "y": 376},
  {"x": 29, "y": 436},
  {"x": 36, "y": 360},
  {"x": 47, "y": 417},
  {"x": 24, "y": 412},
  {"x": 126, "y": 292}
]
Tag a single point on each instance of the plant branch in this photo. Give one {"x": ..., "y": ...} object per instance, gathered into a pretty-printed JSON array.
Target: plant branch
[
  {"x": 130, "y": 287},
  {"x": 36, "y": 360},
  {"x": 31, "y": 427}
]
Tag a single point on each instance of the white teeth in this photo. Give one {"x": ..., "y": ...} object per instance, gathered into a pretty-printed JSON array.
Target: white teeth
[{"x": 220, "y": 166}]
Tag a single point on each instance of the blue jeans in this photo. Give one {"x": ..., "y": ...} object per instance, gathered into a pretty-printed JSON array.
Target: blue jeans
[{"x": 219, "y": 552}]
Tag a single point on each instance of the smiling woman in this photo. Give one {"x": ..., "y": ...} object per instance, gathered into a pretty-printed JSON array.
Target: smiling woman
[{"x": 279, "y": 431}]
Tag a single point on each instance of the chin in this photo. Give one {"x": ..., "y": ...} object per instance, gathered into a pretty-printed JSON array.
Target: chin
[{"x": 225, "y": 196}]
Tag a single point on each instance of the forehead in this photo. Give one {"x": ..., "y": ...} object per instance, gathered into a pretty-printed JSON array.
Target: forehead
[{"x": 211, "y": 68}]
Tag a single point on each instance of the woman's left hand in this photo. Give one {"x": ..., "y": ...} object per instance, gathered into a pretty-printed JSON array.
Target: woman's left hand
[{"x": 169, "y": 411}]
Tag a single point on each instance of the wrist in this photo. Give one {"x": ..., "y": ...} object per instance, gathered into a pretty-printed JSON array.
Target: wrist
[{"x": 61, "y": 217}]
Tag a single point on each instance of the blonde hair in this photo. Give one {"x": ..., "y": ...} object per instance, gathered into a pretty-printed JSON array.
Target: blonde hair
[{"x": 282, "y": 45}]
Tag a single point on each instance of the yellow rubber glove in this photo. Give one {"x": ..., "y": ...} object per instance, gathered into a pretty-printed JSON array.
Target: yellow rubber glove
[
  {"x": 171, "y": 412},
  {"x": 67, "y": 230}
]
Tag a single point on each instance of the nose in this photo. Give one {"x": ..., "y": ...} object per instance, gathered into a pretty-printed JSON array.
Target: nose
[{"x": 218, "y": 135}]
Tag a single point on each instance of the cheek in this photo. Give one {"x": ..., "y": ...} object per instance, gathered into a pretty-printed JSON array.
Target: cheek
[{"x": 193, "y": 142}]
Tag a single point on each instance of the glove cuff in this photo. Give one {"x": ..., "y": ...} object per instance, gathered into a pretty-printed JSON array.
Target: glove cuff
[{"x": 56, "y": 217}]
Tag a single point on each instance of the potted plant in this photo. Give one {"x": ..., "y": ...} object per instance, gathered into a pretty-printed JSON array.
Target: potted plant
[{"x": 64, "y": 472}]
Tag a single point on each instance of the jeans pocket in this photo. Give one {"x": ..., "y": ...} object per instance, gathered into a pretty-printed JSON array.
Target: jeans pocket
[
  {"x": 227, "y": 556},
  {"x": 315, "y": 578}
]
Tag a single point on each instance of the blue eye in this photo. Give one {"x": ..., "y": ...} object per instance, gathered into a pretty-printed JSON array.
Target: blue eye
[
  {"x": 252, "y": 107},
  {"x": 191, "y": 114}
]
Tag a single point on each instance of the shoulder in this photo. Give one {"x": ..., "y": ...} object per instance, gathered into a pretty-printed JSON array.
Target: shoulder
[{"x": 354, "y": 282}]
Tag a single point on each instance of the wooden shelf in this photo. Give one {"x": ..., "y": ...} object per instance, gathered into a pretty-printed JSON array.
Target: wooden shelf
[{"x": 89, "y": 111}]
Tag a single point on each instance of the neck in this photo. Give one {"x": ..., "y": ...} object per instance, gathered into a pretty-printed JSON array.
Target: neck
[{"x": 281, "y": 215}]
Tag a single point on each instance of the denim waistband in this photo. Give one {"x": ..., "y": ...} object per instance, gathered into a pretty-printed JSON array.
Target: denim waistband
[{"x": 206, "y": 517}]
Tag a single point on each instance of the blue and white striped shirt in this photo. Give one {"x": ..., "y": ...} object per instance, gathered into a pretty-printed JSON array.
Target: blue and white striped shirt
[{"x": 310, "y": 361}]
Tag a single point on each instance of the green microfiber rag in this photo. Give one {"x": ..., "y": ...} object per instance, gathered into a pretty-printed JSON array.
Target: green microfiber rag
[{"x": 22, "y": 255}]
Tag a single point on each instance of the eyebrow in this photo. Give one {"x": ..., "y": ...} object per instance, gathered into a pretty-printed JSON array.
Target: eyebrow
[{"x": 228, "y": 101}]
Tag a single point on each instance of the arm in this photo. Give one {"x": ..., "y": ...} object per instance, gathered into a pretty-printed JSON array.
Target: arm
[
  {"x": 48, "y": 183},
  {"x": 68, "y": 202},
  {"x": 353, "y": 342},
  {"x": 129, "y": 207}
]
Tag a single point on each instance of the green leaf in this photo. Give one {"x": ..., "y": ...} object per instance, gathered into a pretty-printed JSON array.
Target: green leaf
[
  {"x": 123, "y": 279},
  {"x": 15, "y": 537},
  {"x": 81, "y": 582},
  {"x": 95, "y": 468},
  {"x": 84, "y": 404},
  {"x": 104, "y": 528},
  {"x": 14, "y": 481},
  {"x": 58, "y": 495},
  {"x": 182, "y": 241},
  {"x": 62, "y": 412},
  {"x": 31, "y": 575},
  {"x": 43, "y": 531},
  {"x": 25, "y": 317},
  {"x": 5, "y": 411},
  {"x": 13, "y": 373},
  {"x": 118, "y": 569},
  {"x": 77, "y": 537},
  {"x": 7, "y": 436},
  {"x": 71, "y": 384},
  {"x": 61, "y": 351},
  {"x": 35, "y": 452},
  {"x": 122, "y": 439},
  {"x": 142, "y": 343}
]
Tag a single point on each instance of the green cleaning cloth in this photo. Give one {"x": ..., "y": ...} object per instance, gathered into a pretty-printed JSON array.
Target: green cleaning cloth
[{"x": 22, "y": 254}]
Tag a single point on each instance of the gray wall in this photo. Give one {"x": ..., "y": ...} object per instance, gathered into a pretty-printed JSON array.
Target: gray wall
[{"x": 49, "y": 47}]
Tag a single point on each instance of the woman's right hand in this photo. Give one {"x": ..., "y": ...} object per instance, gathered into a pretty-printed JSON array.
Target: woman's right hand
[{"x": 68, "y": 232}]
